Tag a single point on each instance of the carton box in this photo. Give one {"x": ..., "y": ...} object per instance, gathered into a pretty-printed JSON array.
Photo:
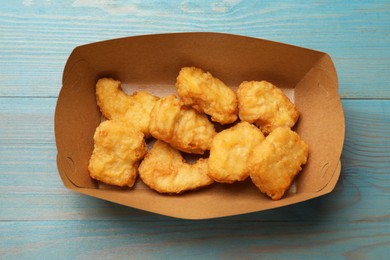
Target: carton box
[{"x": 152, "y": 63}]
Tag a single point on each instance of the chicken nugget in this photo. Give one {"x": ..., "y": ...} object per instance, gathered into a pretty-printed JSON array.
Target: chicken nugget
[
  {"x": 116, "y": 153},
  {"x": 264, "y": 104},
  {"x": 165, "y": 170},
  {"x": 277, "y": 161},
  {"x": 115, "y": 104},
  {"x": 231, "y": 150},
  {"x": 182, "y": 127},
  {"x": 207, "y": 94}
]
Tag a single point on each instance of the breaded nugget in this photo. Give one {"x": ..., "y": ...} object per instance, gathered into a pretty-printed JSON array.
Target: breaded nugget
[
  {"x": 165, "y": 170},
  {"x": 115, "y": 104},
  {"x": 277, "y": 161},
  {"x": 264, "y": 104},
  {"x": 231, "y": 150},
  {"x": 116, "y": 153},
  {"x": 182, "y": 127},
  {"x": 207, "y": 94}
]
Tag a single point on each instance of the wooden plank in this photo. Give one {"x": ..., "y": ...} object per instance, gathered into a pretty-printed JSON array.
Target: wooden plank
[
  {"x": 29, "y": 180},
  {"x": 27, "y": 120},
  {"x": 38, "y": 36},
  {"x": 193, "y": 240}
]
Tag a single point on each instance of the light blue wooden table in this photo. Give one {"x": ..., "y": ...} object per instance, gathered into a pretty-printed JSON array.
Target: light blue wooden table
[{"x": 40, "y": 219}]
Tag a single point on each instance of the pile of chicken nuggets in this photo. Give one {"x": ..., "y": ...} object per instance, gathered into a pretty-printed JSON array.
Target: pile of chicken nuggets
[{"x": 256, "y": 139}]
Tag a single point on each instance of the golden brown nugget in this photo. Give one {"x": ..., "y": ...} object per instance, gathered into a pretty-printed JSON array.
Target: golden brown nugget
[
  {"x": 165, "y": 170},
  {"x": 231, "y": 150},
  {"x": 115, "y": 104},
  {"x": 182, "y": 127},
  {"x": 207, "y": 94},
  {"x": 116, "y": 153},
  {"x": 264, "y": 104},
  {"x": 277, "y": 161}
]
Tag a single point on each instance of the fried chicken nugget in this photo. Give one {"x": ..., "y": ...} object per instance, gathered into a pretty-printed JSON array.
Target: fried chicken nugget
[
  {"x": 165, "y": 170},
  {"x": 230, "y": 152},
  {"x": 115, "y": 104},
  {"x": 277, "y": 161},
  {"x": 264, "y": 104},
  {"x": 116, "y": 153},
  {"x": 182, "y": 127},
  {"x": 207, "y": 94}
]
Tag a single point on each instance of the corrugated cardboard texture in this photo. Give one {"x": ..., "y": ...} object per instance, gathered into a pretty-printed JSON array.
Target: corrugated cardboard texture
[{"x": 152, "y": 63}]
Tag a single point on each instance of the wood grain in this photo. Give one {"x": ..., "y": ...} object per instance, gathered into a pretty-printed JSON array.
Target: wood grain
[
  {"x": 40, "y": 219},
  {"x": 365, "y": 163},
  {"x": 156, "y": 240},
  {"x": 38, "y": 36}
]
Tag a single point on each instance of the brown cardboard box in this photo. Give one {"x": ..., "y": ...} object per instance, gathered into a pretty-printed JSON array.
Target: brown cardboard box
[{"x": 152, "y": 63}]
